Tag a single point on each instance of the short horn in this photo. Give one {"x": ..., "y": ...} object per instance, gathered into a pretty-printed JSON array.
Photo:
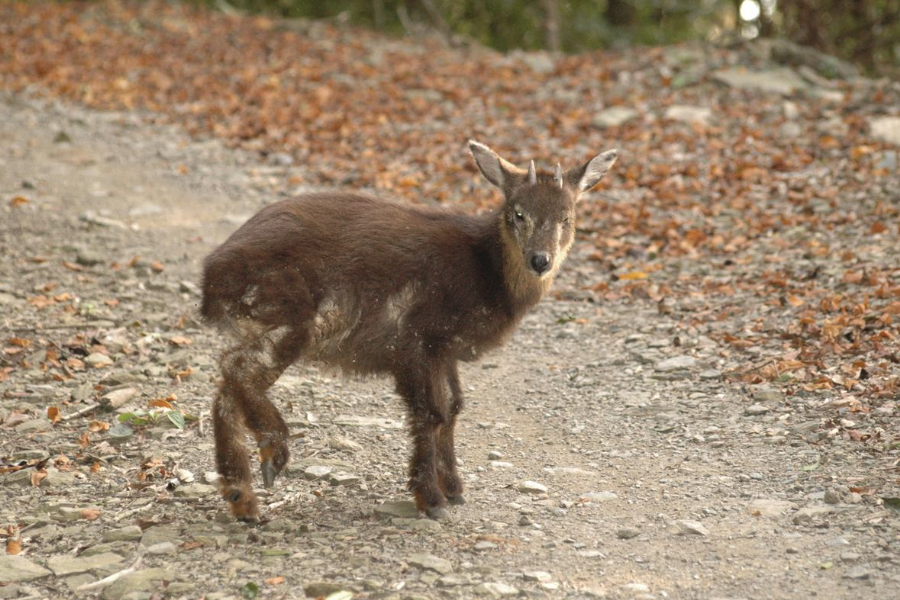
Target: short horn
[
  {"x": 558, "y": 175},
  {"x": 532, "y": 174}
]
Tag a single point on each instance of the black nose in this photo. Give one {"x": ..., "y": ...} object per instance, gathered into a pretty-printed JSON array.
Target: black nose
[{"x": 540, "y": 262}]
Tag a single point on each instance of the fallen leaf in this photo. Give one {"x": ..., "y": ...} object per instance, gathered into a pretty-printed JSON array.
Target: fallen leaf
[
  {"x": 53, "y": 414},
  {"x": 274, "y": 580},
  {"x": 37, "y": 477},
  {"x": 18, "y": 201},
  {"x": 13, "y": 546},
  {"x": 90, "y": 514}
]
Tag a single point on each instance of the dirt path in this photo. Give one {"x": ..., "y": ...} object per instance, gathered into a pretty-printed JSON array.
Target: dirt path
[{"x": 662, "y": 480}]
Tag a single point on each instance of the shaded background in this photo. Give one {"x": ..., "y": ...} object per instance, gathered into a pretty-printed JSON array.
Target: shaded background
[{"x": 866, "y": 32}]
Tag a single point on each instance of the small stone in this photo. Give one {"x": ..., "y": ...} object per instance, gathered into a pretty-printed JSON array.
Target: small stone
[
  {"x": 452, "y": 580},
  {"x": 322, "y": 589},
  {"x": 496, "y": 590},
  {"x": 123, "y": 534},
  {"x": 194, "y": 490},
  {"x": 782, "y": 81},
  {"x": 769, "y": 508},
  {"x": 317, "y": 472},
  {"x": 89, "y": 257},
  {"x": 755, "y": 410},
  {"x": 68, "y": 565},
  {"x": 343, "y": 478},
  {"x": 599, "y": 496},
  {"x": 160, "y": 533},
  {"x": 14, "y": 568},
  {"x": 431, "y": 562},
  {"x": 403, "y": 509},
  {"x": 626, "y": 533},
  {"x": 98, "y": 360},
  {"x": 833, "y": 496},
  {"x": 162, "y": 548},
  {"x": 541, "y": 576},
  {"x": 613, "y": 117},
  {"x": 541, "y": 63},
  {"x": 636, "y": 588},
  {"x": 494, "y": 455},
  {"x": 532, "y": 487},
  {"x": 691, "y": 528},
  {"x": 850, "y": 557},
  {"x": 499, "y": 464},
  {"x": 485, "y": 545},
  {"x": 676, "y": 363},
  {"x": 709, "y": 374},
  {"x": 886, "y": 129},
  {"x": 689, "y": 114},
  {"x": 117, "y": 398}
]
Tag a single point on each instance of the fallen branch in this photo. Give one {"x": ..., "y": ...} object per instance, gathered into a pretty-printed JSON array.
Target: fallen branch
[{"x": 83, "y": 411}]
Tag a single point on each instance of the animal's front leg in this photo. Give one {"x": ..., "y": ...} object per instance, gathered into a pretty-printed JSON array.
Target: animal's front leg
[
  {"x": 448, "y": 476},
  {"x": 422, "y": 387}
]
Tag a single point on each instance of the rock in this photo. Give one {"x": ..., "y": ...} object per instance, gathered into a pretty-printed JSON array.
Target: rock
[
  {"x": 117, "y": 398},
  {"x": 14, "y": 568},
  {"x": 499, "y": 464},
  {"x": 322, "y": 589},
  {"x": 194, "y": 490},
  {"x": 768, "y": 395},
  {"x": 452, "y": 580},
  {"x": 89, "y": 257},
  {"x": 566, "y": 471},
  {"x": 485, "y": 545},
  {"x": 496, "y": 590},
  {"x": 769, "y": 508},
  {"x": 541, "y": 576},
  {"x": 689, "y": 114},
  {"x": 34, "y": 426},
  {"x": 403, "y": 509},
  {"x": 675, "y": 363},
  {"x": 756, "y": 410},
  {"x": 778, "y": 81},
  {"x": 160, "y": 533},
  {"x": 710, "y": 374},
  {"x": 532, "y": 487},
  {"x": 807, "y": 514},
  {"x": 626, "y": 533},
  {"x": 343, "y": 478},
  {"x": 343, "y": 443},
  {"x": 422, "y": 525},
  {"x": 636, "y": 588},
  {"x": 431, "y": 563},
  {"x": 613, "y": 116},
  {"x": 886, "y": 129},
  {"x": 317, "y": 472},
  {"x": 850, "y": 557},
  {"x": 147, "y": 580},
  {"x": 859, "y": 572},
  {"x": 691, "y": 528},
  {"x": 599, "y": 496},
  {"x": 119, "y": 433},
  {"x": 144, "y": 210},
  {"x": 67, "y": 565},
  {"x": 98, "y": 360},
  {"x": 162, "y": 548},
  {"x": 358, "y": 421},
  {"x": 494, "y": 455},
  {"x": 123, "y": 534}
]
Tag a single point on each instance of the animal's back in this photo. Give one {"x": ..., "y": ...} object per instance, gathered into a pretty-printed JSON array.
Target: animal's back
[{"x": 350, "y": 269}]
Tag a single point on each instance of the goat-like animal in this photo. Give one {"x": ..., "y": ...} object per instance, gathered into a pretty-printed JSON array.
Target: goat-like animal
[{"x": 372, "y": 286}]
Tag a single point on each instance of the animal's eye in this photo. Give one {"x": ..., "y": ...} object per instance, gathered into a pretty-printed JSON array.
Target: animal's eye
[
  {"x": 566, "y": 221},
  {"x": 519, "y": 216}
]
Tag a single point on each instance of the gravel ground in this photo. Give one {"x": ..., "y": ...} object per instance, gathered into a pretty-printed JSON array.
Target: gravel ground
[{"x": 604, "y": 452}]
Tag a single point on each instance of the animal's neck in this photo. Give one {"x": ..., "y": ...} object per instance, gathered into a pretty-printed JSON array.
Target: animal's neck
[{"x": 523, "y": 288}]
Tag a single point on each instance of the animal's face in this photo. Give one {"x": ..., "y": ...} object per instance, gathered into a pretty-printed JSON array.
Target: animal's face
[
  {"x": 538, "y": 215},
  {"x": 540, "y": 219}
]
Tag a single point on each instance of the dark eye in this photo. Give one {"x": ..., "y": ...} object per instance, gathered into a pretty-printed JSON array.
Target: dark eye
[
  {"x": 566, "y": 221},
  {"x": 519, "y": 216}
]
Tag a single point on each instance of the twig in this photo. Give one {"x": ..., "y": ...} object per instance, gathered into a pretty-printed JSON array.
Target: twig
[
  {"x": 108, "y": 580},
  {"x": 84, "y": 410},
  {"x": 38, "y": 329}
]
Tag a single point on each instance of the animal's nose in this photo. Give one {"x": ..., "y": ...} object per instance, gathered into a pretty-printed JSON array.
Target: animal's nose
[{"x": 540, "y": 262}]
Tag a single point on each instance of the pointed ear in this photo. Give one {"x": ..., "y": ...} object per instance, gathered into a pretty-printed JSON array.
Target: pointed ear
[
  {"x": 590, "y": 173},
  {"x": 498, "y": 171}
]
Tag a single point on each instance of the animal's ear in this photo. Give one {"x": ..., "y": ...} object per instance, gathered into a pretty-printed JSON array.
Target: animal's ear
[
  {"x": 590, "y": 173},
  {"x": 498, "y": 171}
]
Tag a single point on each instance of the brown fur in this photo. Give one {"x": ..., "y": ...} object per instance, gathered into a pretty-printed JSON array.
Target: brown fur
[{"x": 376, "y": 287}]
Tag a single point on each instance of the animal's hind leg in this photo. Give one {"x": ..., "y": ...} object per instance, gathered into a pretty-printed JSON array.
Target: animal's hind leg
[{"x": 448, "y": 476}]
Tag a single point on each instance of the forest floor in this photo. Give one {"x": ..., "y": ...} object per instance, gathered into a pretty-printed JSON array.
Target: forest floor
[{"x": 705, "y": 408}]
